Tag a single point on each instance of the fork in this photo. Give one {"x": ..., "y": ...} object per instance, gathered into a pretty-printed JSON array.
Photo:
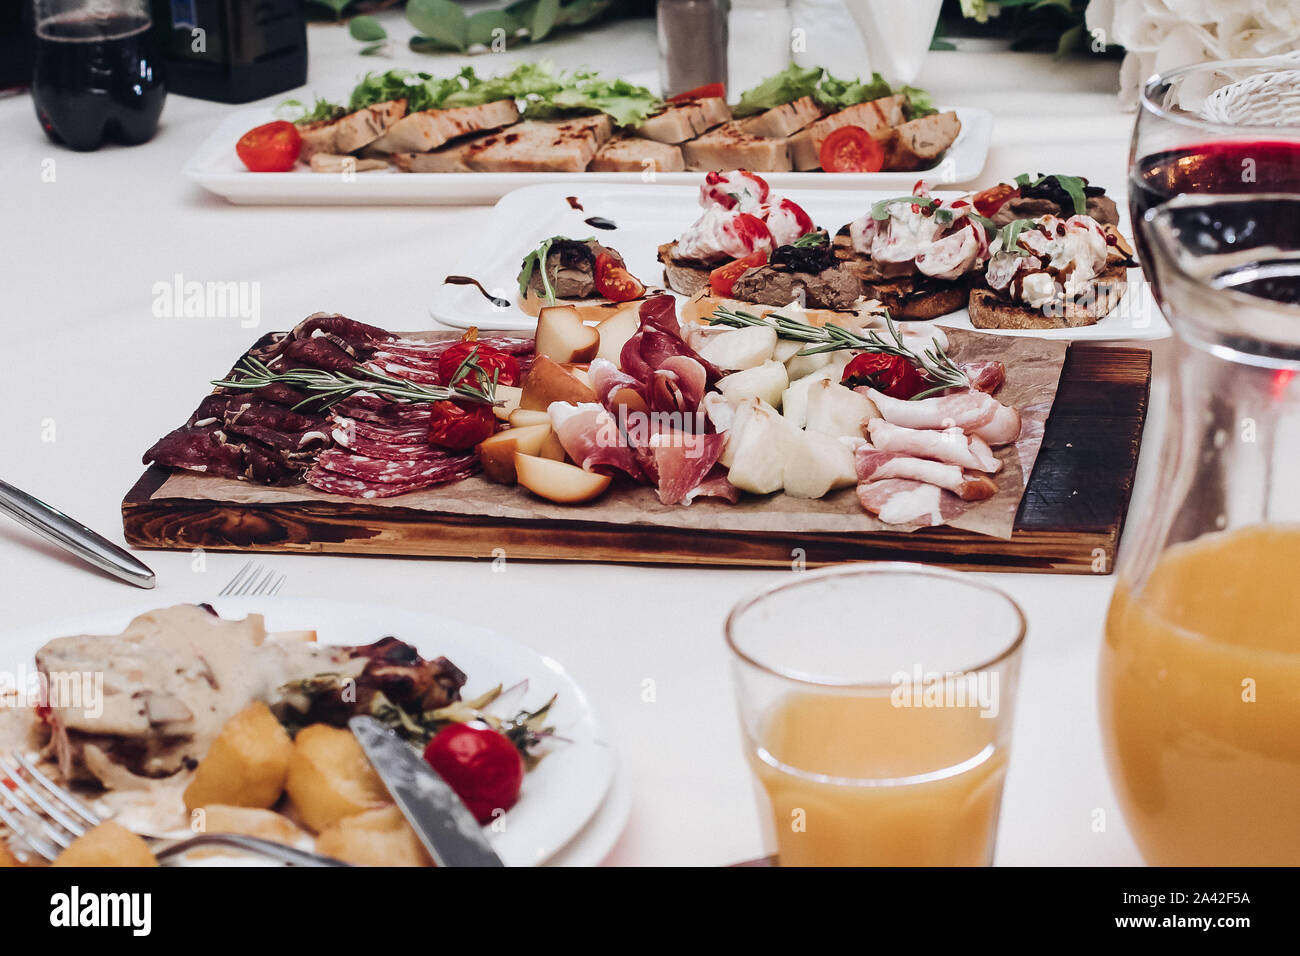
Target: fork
[
  {"x": 50, "y": 818},
  {"x": 253, "y": 581}
]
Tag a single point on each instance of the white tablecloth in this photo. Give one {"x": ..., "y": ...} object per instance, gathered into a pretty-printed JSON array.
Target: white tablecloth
[{"x": 90, "y": 378}]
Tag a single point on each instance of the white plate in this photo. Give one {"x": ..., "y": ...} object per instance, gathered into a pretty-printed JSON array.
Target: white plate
[
  {"x": 560, "y": 799},
  {"x": 646, "y": 219},
  {"x": 215, "y": 167}
]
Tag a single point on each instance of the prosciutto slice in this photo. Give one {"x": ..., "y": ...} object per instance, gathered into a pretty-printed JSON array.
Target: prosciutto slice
[
  {"x": 614, "y": 388},
  {"x": 906, "y": 502},
  {"x": 678, "y": 385},
  {"x": 951, "y": 445},
  {"x": 973, "y": 412},
  {"x": 875, "y": 465},
  {"x": 591, "y": 437},
  {"x": 682, "y": 462},
  {"x": 715, "y": 485}
]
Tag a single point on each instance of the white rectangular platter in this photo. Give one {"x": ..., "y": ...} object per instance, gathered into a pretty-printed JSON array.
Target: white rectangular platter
[
  {"x": 645, "y": 218},
  {"x": 216, "y": 168}
]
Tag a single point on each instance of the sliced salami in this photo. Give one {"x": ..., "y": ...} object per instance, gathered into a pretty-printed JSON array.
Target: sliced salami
[
  {"x": 374, "y": 408},
  {"x": 392, "y": 434},
  {"x": 443, "y": 468},
  {"x": 358, "y": 444}
]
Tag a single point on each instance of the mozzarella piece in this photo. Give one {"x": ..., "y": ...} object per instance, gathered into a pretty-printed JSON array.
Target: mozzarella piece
[
  {"x": 816, "y": 464},
  {"x": 739, "y": 348},
  {"x": 757, "y": 447},
  {"x": 766, "y": 381},
  {"x": 794, "y": 400},
  {"x": 837, "y": 410}
]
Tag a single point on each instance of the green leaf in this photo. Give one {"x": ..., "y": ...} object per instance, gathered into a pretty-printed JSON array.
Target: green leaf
[
  {"x": 880, "y": 208},
  {"x": 1070, "y": 40},
  {"x": 375, "y": 49},
  {"x": 367, "y": 29},
  {"x": 482, "y": 26},
  {"x": 543, "y": 19},
  {"x": 787, "y": 86},
  {"x": 335, "y": 7},
  {"x": 581, "y": 11},
  {"x": 837, "y": 94},
  {"x": 430, "y": 45},
  {"x": 440, "y": 20},
  {"x": 919, "y": 102}
]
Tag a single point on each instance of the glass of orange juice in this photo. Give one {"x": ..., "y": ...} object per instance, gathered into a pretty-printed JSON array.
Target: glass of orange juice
[{"x": 877, "y": 702}]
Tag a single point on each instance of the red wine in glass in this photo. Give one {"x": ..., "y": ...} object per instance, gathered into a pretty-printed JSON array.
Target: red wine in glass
[{"x": 97, "y": 78}]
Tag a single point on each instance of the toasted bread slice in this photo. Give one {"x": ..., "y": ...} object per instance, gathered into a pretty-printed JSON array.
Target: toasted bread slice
[
  {"x": 877, "y": 117},
  {"x": 636, "y": 154},
  {"x": 731, "y": 147},
  {"x": 429, "y": 129},
  {"x": 347, "y": 134},
  {"x": 683, "y": 275},
  {"x": 994, "y": 310},
  {"x": 919, "y": 144},
  {"x": 680, "y": 121},
  {"x": 913, "y": 296},
  {"x": 784, "y": 120}
]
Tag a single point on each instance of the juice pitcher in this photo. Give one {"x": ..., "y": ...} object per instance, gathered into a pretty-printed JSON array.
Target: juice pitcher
[{"x": 1200, "y": 666}]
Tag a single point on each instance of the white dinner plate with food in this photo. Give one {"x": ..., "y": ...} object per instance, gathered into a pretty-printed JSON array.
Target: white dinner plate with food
[
  {"x": 216, "y": 168},
  {"x": 564, "y": 812},
  {"x": 643, "y": 220}
]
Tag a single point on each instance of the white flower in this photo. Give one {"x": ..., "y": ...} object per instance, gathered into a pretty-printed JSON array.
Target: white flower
[{"x": 1158, "y": 35}]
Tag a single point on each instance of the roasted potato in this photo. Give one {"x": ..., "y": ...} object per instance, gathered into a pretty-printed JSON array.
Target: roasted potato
[
  {"x": 375, "y": 838},
  {"x": 330, "y": 778},
  {"x": 107, "y": 845},
  {"x": 249, "y": 821},
  {"x": 247, "y": 763}
]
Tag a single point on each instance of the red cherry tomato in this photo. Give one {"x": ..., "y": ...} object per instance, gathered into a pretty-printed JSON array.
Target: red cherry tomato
[
  {"x": 490, "y": 360},
  {"x": 459, "y": 425},
  {"x": 614, "y": 282},
  {"x": 723, "y": 279},
  {"x": 851, "y": 149},
  {"x": 481, "y": 765},
  {"x": 891, "y": 374},
  {"x": 988, "y": 202},
  {"x": 700, "y": 93},
  {"x": 272, "y": 148}
]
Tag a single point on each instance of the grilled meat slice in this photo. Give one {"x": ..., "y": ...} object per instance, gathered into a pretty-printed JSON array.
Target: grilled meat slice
[{"x": 429, "y": 129}]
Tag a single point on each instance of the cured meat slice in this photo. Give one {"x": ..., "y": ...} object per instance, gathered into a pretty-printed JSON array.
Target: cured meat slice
[
  {"x": 393, "y": 435},
  {"x": 678, "y": 385},
  {"x": 389, "y": 451},
  {"x": 356, "y": 334},
  {"x": 198, "y": 448},
  {"x": 972, "y": 411},
  {"x": 421, "y": 376},
  {"x": 248, "y": 409},
  {"x": 591, "y": 437},
  {"x": 681, "y": 462},
  {"x": 715, "y": 485},
  {"x": 985, "y": 376},
  {"x": 951, "y": 445},
  {"x": 874, "y": 465},
  {"x": 336, "y": 484},
  {"x": 318, "y": 353},
  {"x": 379, "y": 410},
  {"x": 383, "y": 471},
  {"x": 906, "y": 502},
  {"x": 614, "y": 388}
]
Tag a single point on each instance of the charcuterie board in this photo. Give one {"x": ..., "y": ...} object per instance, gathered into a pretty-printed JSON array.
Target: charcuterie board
[{"x": 1069, "y": 520}]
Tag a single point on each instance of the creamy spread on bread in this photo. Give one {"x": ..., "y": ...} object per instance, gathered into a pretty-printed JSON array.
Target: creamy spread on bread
[
  {"x": 936, "y": 238},
  {"x": 1053, "y": 259}
]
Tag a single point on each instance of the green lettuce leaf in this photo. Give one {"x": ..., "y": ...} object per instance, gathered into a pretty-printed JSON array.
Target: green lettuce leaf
[
  {"x": 837, "y": 94},
  {"x": 626, "y": 103},
  {"x": 785, "y": 87}
]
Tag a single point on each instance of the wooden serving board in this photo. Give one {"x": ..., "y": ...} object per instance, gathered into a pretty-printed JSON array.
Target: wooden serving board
[{"x": 1069, "y": 519}]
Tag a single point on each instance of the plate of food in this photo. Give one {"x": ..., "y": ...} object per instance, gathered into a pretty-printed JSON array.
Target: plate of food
[
  {"x": 403, "y": 137},
  {"x": 231, "y": 717},
  {"x": 1039, "y": 259}
]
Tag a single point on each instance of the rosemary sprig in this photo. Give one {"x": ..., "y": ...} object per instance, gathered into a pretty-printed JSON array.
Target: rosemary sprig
[
  {"x": 934, "y": 361},
  {"x": 330, "y": 388}
]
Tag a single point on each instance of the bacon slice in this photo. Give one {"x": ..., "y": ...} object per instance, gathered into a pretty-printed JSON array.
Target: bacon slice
[
  {"x": 973, "y": 412},
  {"x": 985, "y": 376},
  {"x": 591, "y": 437},
  {"x": 905, "y": 502},
  {"x": 875, "y": 465},
  {"x": 951, "y": 445}
]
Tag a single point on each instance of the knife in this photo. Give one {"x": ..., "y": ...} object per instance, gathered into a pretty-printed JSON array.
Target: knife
[
  {"x": 444, "y": 824},
  {"x": 74, "y": 536}
]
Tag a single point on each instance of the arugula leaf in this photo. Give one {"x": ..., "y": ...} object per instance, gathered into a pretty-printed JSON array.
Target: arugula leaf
[
  {"x": 536, "y": 260},
  {"x": 787, "y": 86},
  {"x": 1010, "y": 235},
  {"x": 1073, "y": 186},
  {"x": 295, "y": 111},
  {"x": 811, "y": 240},
  {"x": 880, "y": 209}
]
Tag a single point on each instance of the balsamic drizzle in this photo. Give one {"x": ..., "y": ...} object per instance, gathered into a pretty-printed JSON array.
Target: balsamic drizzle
[{"x": 496, "y": 300}]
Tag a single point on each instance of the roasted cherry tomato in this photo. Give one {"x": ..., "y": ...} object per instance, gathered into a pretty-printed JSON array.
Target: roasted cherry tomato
[
  {"x": 272, "y": 148},
  {"x": 614, "y": 282},
  {"x": 480, "y": 764},
  {"x": 723, "y": 279},
  {"x": 459, "y": 425},
  {"x": 490, "y": 360},
  {"x": 891, "y": 374},
  {"x": 753, "y": 232},
  {"x": 700, "y": 93},
  {"x": 992, "y": 199},
  {"x": 851, "y": 149}
]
